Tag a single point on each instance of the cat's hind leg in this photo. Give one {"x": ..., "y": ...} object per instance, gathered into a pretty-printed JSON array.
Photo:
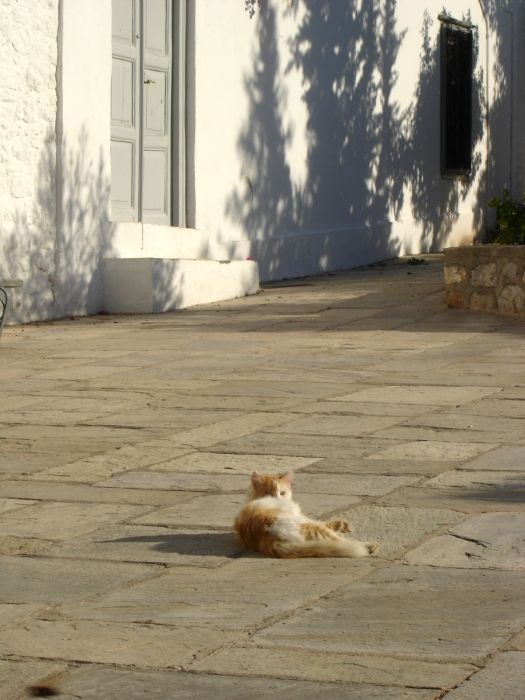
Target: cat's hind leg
[
  {"x": 317, "y": 530},
  {"x": 339, "y": 525}
]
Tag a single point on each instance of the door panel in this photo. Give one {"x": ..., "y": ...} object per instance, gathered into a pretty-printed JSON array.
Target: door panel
[
  {"x": 155, "y": 102},
  {"x": 123, "y": 18},
  {"x": 157, "y": 111},
  {"x": 156, "y": 18},
  {"x": 123, "y": 175},
  {"x": 122, "y": 92},
  {"x": 154, "y": 193},
  {"x": 125, "y": 110}
]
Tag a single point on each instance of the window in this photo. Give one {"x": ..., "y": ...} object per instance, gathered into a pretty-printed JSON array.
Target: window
[{"x": 456, "y": 98}]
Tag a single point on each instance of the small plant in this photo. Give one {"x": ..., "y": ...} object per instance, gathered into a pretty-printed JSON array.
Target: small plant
[{"x": 510, "y": 219}]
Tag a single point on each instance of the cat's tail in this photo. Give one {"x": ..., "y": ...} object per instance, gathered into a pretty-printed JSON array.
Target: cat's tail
[{"x": 324, "y": 548}]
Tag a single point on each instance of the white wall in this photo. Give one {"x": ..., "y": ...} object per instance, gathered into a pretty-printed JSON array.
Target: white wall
[
  {"x": 317, "y": 132},
  {"x": 28, "y": 62},
  {"x": 83, "y": 228},
  {"x": 54, "y": 154},
  {"x": 507, "y": 98},
  {"x": 313, "y": 137}
]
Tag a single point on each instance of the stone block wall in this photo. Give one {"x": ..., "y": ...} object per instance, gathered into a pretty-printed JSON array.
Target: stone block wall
[{"x": 486, "y": 278}]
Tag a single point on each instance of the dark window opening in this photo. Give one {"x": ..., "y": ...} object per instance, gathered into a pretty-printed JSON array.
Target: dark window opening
[{"x": 456, "y": 100}]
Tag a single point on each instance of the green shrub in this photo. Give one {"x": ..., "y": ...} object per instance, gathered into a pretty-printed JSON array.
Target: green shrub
[{"x": 510, "y": 219}]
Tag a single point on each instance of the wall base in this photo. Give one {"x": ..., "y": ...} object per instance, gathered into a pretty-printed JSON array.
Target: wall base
[{"x": 154, "y": 285}]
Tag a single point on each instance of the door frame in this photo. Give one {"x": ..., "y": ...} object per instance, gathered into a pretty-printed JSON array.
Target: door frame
[
  {"x": 178, "y": 113},
  {"x": 177, "y": 187}
]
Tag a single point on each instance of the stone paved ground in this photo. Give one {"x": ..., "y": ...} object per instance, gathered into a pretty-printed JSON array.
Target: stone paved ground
[{"x": 125, "y": 448}]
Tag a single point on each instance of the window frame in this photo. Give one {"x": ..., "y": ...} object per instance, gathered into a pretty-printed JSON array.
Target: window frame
[{"x": 464, "y": 170}]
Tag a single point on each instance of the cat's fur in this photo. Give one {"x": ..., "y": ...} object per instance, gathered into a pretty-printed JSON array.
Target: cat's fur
[{"x": 272, "y": 523}]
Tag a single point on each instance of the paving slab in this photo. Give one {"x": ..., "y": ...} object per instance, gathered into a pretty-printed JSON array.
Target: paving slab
[
  {"x": 432, "y": 395},
  {"x": 508, "y": 458},
  {"x": 219, "y": 463},
  {"x": 437, "y": 375},
  {"x": 87, "y": 493},
  {"x": 212, "y": 511},
  {"x": 19, "y": 457},
  {"x": 517, "y": 643},
  {"x": 161, "y": 545},
  {"x": 502, "y": 406},
  {"x": 461, "y": 500},
  {"x": 347, "y": 483},
  {"x": 317, "y": 665},
  {"x": 299, "y": 445},
  {"x": 491, "y": 540},
  {"x": 219, "y": 511},
  {"x": 336, "y": 425},
  {"x": 59, "y": 521},
  {"x": 9, "y": 504},
  {"x": 51, "y": 414},
  {"x": 237, "y": 596},
  {"x": 130, "y": 440},
  {"x": 503, "y": 369},
  {"x": 510, "y": 428},
  {"x": 14, "y": 402},
  {"x": 76, "y": 437},
  {"x": 17, "y": 612},
  {"x": 500, "y": 486},
  {"x": 232, "y": 428},
  {"x": 162, "y": 421},
  {"x": 51, "y": 580},
  {"x": 77, "y": 371},
  {"x": 418, "y": 433},
  {"x": 370, "y": 466},
  {"x": 175, "y": 481},
  {"x": 434, "y": 450},
  {"x": 242, "y": 404},
  {"x": 335, "y": 406},
  {"x": 95, "y": 682},
  {"x": 397, "y": 529},
  {"x": 502, "y": 679},
  {"x": 101, "y": 466},
  {"x": 393, "y": 612},
  {"x": 16, "y": 676},
  {"x": 142, "y": 646},
  {"x": 340, "y": 484},
  {"x": 23, "y": 546},
  {"x": 466, "y": 491}
]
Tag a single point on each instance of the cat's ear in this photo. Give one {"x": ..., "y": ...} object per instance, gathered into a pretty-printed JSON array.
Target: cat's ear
[
  {"x": 256, "y": 479},
  {"x": 287, "y": 478}
]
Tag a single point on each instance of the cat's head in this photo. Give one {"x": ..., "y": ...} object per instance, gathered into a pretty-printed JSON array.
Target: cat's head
[{"x": 276, "y": 485}]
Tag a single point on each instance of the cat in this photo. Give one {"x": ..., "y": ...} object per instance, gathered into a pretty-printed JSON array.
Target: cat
[{"x": 271, "y": 523}]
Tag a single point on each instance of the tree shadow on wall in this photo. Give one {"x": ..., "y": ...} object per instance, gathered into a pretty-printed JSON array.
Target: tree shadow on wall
[
  {"x": 435, "y": 201},
  {"x": 369, "y": 160},
  {"x": 57, "y": 246},
  {"x": 501, "y": 167}
]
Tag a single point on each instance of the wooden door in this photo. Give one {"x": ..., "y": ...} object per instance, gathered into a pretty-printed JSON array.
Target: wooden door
[{"x": 141, "y": 117}]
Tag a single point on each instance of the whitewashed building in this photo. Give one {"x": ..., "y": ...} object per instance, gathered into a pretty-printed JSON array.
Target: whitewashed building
[{"x": 143, "y": 141}]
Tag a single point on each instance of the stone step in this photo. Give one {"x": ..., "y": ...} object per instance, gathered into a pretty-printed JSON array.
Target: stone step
[
  {"x": 153, "y": 284},
  {"x": 138, "y": 240}
]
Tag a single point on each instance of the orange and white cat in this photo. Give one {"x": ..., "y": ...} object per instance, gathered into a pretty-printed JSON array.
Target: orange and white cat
[{"x": 272, "y": 523}]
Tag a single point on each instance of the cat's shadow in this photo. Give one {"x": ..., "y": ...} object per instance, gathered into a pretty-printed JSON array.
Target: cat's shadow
[{"x": 202, "y": 544}]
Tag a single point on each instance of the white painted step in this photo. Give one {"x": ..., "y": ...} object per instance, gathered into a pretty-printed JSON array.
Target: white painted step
[
  {"x": 153, "y": 285},
  {"x": 138, "y": 240}
]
